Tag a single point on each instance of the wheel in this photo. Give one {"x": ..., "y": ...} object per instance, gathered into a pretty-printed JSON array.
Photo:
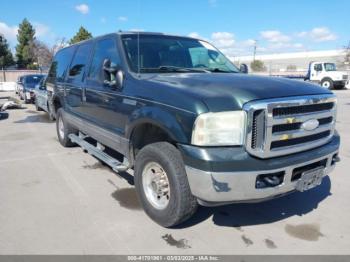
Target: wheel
[
  {"x": 64, "y": 129},
  {"x": 49, "y": 111},
  {"x": 162, "y": 186},
  {"x": 327, "y": 83}
]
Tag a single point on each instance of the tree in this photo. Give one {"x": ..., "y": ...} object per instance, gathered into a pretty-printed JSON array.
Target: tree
[
  {"x": 42, "y": 53},
  {"x": 257, "y": 66},
  {"x": 81, "y": 35},
  {"x": 6, "y": 58},
  {"x": 291, "y": 67},
  {"x": 24, "y": 53}
]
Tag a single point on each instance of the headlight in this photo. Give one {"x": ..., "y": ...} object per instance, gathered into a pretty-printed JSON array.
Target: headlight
[{"x": 219, "y": 129}]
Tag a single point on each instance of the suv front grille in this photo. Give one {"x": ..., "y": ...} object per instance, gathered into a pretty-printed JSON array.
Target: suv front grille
[{"x": 276, "y": 127}]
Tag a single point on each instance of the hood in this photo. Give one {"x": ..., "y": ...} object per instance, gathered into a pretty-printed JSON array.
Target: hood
[
  {"x": 223, "y": 92},
  {"x": 30, "y": 86}
]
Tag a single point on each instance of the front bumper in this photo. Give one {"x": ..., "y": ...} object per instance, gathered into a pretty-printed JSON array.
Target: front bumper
[{"x": 229, "y": 175}]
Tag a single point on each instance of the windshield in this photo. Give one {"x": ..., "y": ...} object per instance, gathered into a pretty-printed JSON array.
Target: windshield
[
  {"x": 330, "y": 67},
  {"x": 159, "y": 53},
  {"x": 35, "y": 79}
]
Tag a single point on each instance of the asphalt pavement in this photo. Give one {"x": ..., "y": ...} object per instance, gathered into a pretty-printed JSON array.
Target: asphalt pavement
[{"x": 56, "y": 200}]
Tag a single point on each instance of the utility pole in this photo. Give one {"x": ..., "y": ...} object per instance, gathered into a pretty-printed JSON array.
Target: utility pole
[{"x": 254, "y": 52}]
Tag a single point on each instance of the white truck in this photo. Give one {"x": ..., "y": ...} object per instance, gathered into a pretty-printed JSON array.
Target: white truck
[{"x": 326, "y": 74}]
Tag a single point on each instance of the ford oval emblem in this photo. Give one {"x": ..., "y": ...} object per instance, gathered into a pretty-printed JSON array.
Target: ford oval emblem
[{"x": 310, "y": 125}]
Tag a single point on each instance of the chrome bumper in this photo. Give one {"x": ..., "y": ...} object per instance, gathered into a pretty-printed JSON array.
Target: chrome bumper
[{"x": 217, "y": 188}]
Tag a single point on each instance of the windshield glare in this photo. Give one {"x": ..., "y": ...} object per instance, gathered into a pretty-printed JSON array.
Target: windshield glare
[
  {"x": 330, "y": 67},
  {"x": 158, "y": 53}
]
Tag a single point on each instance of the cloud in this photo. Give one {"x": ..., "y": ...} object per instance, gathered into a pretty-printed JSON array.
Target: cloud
[
  {"x": 274, "y": 36},
  {"x": 318, "y": 34},
  {"x": 322, "y": 34},
  {"x": 41, "y": 29},
  {"x": 103, "y": 20},
  {"x": 10, "y": 32},
  {"x": 122, "y": 18},
  {"x": 223, "y": 39},
  {"x": 82, "y": 8},
  {"x": 195, "y": 35}
]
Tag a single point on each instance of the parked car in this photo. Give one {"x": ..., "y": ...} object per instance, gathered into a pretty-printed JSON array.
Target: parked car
[
  {"x": 192, "y": 126},
  {"x": 27, "y": 86},
  {"x": 41, "y": 98},
  {"x": 19, "y": 84}
]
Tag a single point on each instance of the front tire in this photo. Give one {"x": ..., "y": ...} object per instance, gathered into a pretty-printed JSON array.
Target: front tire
[
  {"x": 327, "y": 83},
  {"x": 162, "y": 186},
  {"x": 63, "y": 129}
]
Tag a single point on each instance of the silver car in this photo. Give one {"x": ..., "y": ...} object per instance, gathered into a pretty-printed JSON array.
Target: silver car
[{"x": 41, "y": 99}]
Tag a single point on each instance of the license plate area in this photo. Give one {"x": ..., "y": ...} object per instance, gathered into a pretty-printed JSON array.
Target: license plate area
[{"x": 310, "y": 179}]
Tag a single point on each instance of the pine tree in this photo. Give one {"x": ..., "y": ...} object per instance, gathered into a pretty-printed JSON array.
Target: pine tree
[
  {"x": 25, "y": 38},
  {"x": 81, "y": 35},
  {"x": 6, "y": 58}
]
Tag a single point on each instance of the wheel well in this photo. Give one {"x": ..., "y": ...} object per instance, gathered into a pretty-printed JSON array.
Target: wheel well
[
  {"x": 146, "y": 134},
  {"x": 56, "y": 104},
  {"x": 326, "y": 78}
]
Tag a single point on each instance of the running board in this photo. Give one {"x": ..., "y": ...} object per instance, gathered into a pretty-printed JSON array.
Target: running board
[{"x": 97, "y": 151}]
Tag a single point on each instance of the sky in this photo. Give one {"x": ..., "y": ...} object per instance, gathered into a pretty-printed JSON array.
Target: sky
[{"x": 232, "y": 26}]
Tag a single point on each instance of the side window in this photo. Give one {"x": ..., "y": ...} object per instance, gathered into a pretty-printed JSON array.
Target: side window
[
  {"x": 79, "y": 63},
  {"x": 104, "y": 49},
  {"x": 60, "y": 64},
  {"x": 318, "y": 67}
]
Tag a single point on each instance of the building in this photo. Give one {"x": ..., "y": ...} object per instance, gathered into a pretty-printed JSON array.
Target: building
[{"x": 294, "y": 62}]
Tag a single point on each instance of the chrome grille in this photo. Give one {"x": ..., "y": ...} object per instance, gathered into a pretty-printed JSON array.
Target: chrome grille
[{"x": 275, "y": 127}]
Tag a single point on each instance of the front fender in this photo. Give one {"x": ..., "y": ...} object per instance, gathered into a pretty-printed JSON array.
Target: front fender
[{"x": 176, "y": 123}]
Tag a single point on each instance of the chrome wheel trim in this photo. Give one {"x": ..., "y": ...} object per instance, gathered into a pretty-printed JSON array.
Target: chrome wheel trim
[
  {"x": 60, "y": 128},
  {"x": 156, "y": 185},
  {"x": 326, "y": 84}
]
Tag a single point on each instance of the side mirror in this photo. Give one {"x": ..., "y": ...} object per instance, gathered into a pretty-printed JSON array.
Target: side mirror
[
  {"x": 112, "y": 74},
  {"x": 243, "y": 68}
]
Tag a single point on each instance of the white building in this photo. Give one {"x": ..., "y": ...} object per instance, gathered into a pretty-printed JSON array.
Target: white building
[{"x": 299, "y": 61}]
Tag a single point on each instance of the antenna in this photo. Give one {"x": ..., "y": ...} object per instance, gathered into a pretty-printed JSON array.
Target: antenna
[{"x": 138, "y": 40}]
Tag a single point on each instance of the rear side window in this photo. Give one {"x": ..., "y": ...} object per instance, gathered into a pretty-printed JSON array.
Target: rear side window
[
  {"x": 79, "y": 63},
  {"x": 60, "y": 64},
  {"x": 104, "y": 49}
]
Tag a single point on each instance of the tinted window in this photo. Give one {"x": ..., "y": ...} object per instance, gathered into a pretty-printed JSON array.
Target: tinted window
[
  {"x": 80, "y": 61},
  {"x": 33, "y": 79},
  {"x": 318, "y": 67},
  {"x": 153, "y": 53},
  {"x": 59, "y": 64},
  {"x": 104, "y": 49}
]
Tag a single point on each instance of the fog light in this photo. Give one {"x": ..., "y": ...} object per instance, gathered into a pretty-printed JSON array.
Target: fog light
[{"x": 269, "y": 180}]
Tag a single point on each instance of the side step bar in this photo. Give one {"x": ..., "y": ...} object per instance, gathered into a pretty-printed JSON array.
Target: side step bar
[{"x": 97, "y": 151}]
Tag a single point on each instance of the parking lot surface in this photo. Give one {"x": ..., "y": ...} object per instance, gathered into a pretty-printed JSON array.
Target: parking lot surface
[{"x": 56, "y": 200}]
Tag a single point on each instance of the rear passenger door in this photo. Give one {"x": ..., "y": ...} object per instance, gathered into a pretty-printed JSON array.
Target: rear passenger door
[
  {"x": 103, "y": 104},
  {"x": 74, "y": 87}
]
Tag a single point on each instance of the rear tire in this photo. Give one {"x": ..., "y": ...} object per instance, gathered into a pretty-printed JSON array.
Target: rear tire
[
  {"x": 63, "y": 129},
  {"x": 51, "y": 114},
  {"x": 181, "y": 204},
  {"x": 327, "y": 83}
]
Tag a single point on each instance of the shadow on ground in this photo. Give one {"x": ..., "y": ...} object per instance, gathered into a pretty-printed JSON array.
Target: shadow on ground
[
  {"x": 237, "y": 215},
  {"x": 38, "y": 117}
]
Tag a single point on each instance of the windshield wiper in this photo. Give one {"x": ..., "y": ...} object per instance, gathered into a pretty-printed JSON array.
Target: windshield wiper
[
  {"x": 218, "y": 70},
  {"x": 175, "y": 69}
]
